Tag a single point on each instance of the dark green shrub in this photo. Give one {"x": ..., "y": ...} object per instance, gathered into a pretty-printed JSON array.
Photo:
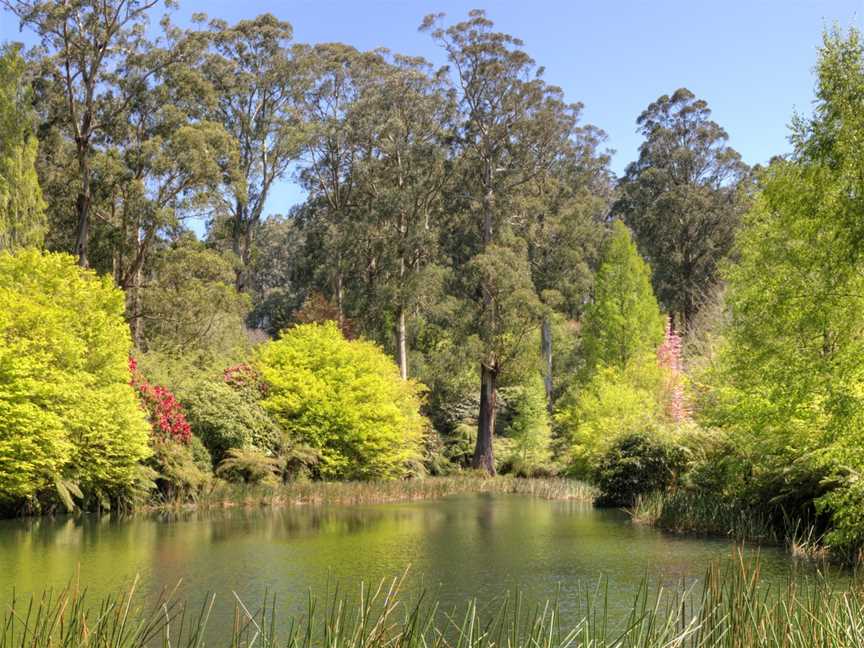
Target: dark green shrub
[
  {"x": 200, "y": 454},
  {"x": 224, "y": 418},
  {"x": 178, "y": 477},
  {"x": 298, "y": 461},
  {"x": 529, "y": 431},
  {"x": 435, "y": 460},
  {"x": 636, "y": 465}
]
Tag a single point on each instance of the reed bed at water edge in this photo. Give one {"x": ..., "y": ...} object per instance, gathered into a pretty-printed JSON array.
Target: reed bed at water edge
[
  {"x": 729, "y": 610},
  {"x": 707, "y": 514},
  {"x": 226, "y": 495},
  {"x": 702, "y": 513}
]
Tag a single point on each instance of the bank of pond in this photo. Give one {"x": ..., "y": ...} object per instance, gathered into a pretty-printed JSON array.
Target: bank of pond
[{"x": 499, "y": 567}]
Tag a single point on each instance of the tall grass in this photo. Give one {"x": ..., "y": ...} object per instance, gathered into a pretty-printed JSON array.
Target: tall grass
[
  {"x": 729, "y": 610},
  {"x": 226, "y": 495},
  {"x": 704, "y": 513}
]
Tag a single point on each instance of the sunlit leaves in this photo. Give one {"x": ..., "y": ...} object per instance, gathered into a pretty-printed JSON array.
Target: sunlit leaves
[
  {"x": 66, "y": 406},
  {"x": 344, "y": 398}
]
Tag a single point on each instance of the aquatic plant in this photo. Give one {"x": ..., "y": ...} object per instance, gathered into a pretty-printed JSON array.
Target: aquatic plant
[
  {"x": 226, "y": 495},
  {"x": 699, "y": 512},
  {"x": 727, "y": 609}
]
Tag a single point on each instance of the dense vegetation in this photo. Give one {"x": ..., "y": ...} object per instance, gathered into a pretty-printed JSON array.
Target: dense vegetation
[{"x": 465, "y": 285}]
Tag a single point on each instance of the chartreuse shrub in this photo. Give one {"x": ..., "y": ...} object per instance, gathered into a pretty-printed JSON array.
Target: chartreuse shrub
[
  {"x": 68, "y": 414},
  {"x": 344, "y": 398},
  {"x": 615, "y": 402},
  {"x": 529, "y": 430}
]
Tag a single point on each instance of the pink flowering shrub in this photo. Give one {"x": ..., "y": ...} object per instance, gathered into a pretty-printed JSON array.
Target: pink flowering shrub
[
  {"x": 245, "y": 378},
  {"x": 165, "y": 411},
  {"x": 669, "y": 357}
]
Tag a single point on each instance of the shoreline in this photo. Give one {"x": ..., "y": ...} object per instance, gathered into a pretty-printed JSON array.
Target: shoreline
[{"x": 228, "y": 496}]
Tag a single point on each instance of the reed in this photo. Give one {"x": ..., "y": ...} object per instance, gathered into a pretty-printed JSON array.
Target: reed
[
  {"x": 707, "y": 514},
  {"x": 227, "y": 495},
  {"x": 729, "y": 609}
]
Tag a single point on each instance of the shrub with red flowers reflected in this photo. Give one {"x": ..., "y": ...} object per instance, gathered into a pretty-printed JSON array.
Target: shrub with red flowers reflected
[{"x": 165, "y": 411}]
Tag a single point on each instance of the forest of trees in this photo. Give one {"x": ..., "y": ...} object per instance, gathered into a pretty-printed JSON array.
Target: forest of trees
[{"x": 465, "y": 285}]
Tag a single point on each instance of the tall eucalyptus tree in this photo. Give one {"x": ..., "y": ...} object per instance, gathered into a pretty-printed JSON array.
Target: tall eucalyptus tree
[
  {"x": 89, "y": 46},
  {"x": 256, "y": 76},
  {"x": 512, "y": 129},
  {"x": 683, "y": 198},
  {"x": 402, "y": 176}
]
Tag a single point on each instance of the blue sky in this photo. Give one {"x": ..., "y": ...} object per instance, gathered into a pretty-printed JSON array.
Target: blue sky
[{"x": 751, "y": 60}]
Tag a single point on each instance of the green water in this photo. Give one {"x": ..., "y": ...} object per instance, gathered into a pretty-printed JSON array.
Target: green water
[{"x": 475, "y": 546}]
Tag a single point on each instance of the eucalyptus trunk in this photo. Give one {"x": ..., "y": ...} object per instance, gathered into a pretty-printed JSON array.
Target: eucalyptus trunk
[
  {"x": 484, "y": 458},
  {"x": 82, "y": 210},
  {"x": 402, "y": 343},
  {"x": 546, "y": 351}
]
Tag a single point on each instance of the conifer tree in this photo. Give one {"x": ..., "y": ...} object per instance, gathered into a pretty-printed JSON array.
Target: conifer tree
[{"x": 624, "y": 318}]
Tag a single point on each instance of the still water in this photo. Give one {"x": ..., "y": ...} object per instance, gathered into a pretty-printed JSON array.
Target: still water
[{"x": 459, "y": 548}]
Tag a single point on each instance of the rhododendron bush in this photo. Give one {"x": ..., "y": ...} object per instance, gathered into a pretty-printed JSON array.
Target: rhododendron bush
[
  {"x": 163, "y": 408},
  {"x": 245, "y": 378}
]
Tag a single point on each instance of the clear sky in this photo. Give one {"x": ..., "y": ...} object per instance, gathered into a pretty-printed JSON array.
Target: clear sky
[{"x": 751, "y": 60}]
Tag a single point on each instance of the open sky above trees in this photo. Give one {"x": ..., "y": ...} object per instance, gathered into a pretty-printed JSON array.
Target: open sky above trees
[{"x": 615, "y": 57}]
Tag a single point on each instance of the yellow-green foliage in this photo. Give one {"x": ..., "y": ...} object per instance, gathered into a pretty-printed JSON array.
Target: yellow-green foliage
[
  {"x": 624, "y": 319},
  {"x": 621, "y": 391},
  {"x": 345, "y": 398},
  {"x": 66, "y": 407},
  {"x": 789, "y": 383},
  {"x": 529, "y": 429},
  {"x": 615, "y": 402}
]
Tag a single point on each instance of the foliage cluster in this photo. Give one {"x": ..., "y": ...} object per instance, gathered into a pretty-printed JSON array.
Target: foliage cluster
[
  {"x": 636, "y": 465},
  {"x": 68, "y": 414},
  {"x": 344, "y": 398}
]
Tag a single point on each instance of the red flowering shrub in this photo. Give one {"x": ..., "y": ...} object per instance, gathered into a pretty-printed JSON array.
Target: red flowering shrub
[{"x": 165, "y": 411}]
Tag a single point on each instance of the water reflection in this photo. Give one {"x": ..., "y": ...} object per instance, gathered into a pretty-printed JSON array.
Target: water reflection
[{"x": 461, "y": 548}]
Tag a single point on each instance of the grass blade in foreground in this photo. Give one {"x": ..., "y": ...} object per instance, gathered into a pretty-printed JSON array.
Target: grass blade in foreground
[{"x": 730, "y": 611}]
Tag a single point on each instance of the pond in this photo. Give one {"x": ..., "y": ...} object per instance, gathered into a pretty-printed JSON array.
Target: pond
[{"x": 461, "y": 547}]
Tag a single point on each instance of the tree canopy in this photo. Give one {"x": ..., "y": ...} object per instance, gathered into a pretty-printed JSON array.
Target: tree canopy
[{"x": 683, "y": 198}]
